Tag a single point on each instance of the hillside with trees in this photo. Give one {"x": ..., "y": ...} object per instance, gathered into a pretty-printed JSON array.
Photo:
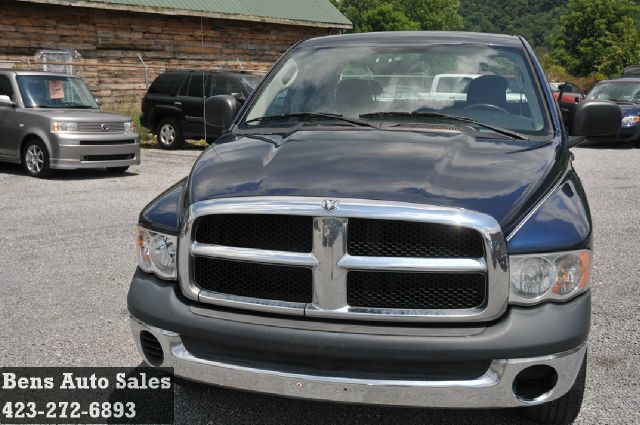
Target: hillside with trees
[
  {"x": 537, "y": 20},
  {"x": 575, "y": 39}
]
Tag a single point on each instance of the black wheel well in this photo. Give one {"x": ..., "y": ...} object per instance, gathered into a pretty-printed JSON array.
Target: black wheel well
[{"x": 161, "y": 116}]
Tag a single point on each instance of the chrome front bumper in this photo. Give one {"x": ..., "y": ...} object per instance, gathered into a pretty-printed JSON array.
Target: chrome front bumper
[{"x": 494, "y": 389}]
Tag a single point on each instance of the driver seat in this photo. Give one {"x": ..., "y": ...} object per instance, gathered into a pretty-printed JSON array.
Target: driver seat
[
  {"x": 488, "y": 89},
  {"x": 354, "y": 95}
]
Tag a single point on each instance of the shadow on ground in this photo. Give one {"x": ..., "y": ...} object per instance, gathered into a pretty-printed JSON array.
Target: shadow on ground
[
  {"x": 608, "y": 145},
  {"x": 212, "y": 405},
  {"x": 18, "y": 170},
  {"x": 188, "y": 146}
]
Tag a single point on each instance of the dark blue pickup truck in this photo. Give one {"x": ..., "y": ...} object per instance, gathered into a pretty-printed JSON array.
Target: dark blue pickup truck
[{"x": 355, "y": 237}]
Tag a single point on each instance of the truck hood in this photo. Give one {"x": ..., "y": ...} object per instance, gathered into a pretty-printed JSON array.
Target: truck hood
[
  {"x": 495, "y": 176},
  {"x": 80, "y": 115}
]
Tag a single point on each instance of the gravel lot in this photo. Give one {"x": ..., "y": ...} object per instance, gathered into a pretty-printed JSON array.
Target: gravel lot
[{"x": 68, "y": 258}]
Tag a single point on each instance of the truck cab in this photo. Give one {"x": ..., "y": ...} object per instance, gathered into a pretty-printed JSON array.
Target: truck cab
[{"x": 341, "y": 245}]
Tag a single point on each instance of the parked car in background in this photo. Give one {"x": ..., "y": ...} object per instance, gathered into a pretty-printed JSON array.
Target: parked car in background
[
  {"x": 625, "y": 92},
  {"x": 571, "y": 93},
  {"x": 52, "y": 121},
  {"x": 406, "y": 251},
  {"x": 567, "y": 95},
  {"x": 173, "y": 107}
]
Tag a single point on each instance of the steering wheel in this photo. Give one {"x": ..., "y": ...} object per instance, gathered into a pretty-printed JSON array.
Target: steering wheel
[{"x": 488, "y": 106}]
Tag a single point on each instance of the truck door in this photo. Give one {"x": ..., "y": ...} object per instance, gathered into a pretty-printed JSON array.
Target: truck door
[{"x": 9, "y": 145}]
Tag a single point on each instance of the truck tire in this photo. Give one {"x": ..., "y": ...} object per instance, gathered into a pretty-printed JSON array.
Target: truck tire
[
  {"x": 564, "y": 410},
  {"x": 35, "y": 158},
  {"x": 169, "y": 134}
]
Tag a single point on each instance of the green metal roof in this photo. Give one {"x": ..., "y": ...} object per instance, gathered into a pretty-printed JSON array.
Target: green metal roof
[{"x": 294, "y": 11}]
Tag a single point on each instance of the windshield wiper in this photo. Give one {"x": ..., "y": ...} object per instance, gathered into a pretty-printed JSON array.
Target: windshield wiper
[
  {"x": 497, "y": 130},
  {"x": 312, "y": 115},
  {"x": 78, "y": 106}
]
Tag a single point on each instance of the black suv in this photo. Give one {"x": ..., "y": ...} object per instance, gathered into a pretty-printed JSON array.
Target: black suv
[{"x": 174, "y": 104}]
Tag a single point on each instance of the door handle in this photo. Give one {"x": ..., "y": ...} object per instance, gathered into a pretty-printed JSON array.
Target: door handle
[{"x": 177, "y": 103}]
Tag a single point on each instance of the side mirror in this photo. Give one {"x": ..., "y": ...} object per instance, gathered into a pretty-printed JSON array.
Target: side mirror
[
  {"x": 591, "y": 118},
  {"x": 98, "y": 101},
  {"x": 6, "y": 101},
  {"x": 219, "y": 111},
  {"x": 239, "y": 97}
]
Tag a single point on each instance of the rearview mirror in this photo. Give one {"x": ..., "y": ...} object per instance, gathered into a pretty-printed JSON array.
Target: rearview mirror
[
  {"x": 6, "y": 101},
  {"x": 219, "y": 111}
]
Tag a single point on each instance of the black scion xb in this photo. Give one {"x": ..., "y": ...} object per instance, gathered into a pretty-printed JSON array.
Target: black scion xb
[{"x": 355, "y": 237}]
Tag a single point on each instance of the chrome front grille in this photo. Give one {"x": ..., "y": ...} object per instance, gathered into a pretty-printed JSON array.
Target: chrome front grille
[
  {"x": 100, "y": 127},
  {"x": 232, "y": 253}
]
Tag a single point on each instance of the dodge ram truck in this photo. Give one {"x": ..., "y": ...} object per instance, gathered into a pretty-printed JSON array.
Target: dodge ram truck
[{"x": 337, "y": 246}]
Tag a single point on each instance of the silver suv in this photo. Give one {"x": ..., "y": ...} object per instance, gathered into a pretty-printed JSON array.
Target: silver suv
[{"x": 52, "y": 121}]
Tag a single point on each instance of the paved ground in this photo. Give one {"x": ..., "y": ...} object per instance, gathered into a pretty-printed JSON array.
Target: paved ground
[{"x": 67, "y": 257}]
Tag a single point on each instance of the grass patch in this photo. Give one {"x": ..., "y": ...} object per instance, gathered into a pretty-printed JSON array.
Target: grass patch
[{"x": 144, "y": 133}]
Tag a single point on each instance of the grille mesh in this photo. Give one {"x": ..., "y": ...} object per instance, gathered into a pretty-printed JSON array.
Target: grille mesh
[
  {"x": 415, "y": 290},
  {"x": 274, "y": 232},
  {"x": 283, "y": 283},
  {"x": 96, "y": 127},
  {"x": 109, "y": 157},
  {"x": 386, "y": 238}
]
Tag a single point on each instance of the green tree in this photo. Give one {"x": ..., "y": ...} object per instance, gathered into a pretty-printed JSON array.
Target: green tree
[
  {"x": 598, "y": 36},
  {"x": 386, "y": 18},
  {"x": 429, "y": 14},
  {"x": 434, "y": 15},
  {"x": 355, "y": 9},
  {"x": 537, "y": 21}
]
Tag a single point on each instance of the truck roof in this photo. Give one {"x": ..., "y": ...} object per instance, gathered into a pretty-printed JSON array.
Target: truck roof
[
  {"x": 416, "y": 37},
  {"x": 212, "y": 71}
]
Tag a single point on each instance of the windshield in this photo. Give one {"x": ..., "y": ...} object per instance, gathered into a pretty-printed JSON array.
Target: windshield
[
  {"x": 490, "y": 85},
  {"x": 44, "y": 91},
  {"x": 627, "y": 91}
]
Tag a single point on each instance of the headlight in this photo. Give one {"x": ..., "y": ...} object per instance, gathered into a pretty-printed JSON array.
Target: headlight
[
  {"x": 558, "y": 276},
  {"x": 129, "y": 127},
  {"x": 63, "y": 126},
  {"x": 157, "y": 253},
  {"x": 633, "y": 119}
]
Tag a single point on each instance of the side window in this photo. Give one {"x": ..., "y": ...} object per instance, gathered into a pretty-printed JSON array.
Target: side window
[
  {"x": 233, "y": 86},
  {"x": 224, "y": 85},
  {"x": 166, "y": 84},
  {"x": 197, "y": 85},
  {"x": 218, "y": 86},
  {"x": 5, "y": 87}
]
